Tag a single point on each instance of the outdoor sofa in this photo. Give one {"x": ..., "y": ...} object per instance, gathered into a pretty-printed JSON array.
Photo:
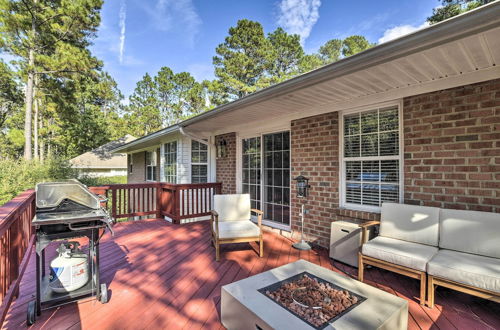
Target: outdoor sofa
[{"x": 456, "y": 249}]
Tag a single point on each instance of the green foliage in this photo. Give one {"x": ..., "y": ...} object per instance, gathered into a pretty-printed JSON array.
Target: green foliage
[
  {"x": 331, "y": 51},
  {"x": 285, "y": 55},
  {"x": 102, "y": 181},
  {"x": 242, "y": 59},
  {"x": 450, "y": 8},
  {"x": 19, "y": 175},
  {"x": 354, "y": 44}
]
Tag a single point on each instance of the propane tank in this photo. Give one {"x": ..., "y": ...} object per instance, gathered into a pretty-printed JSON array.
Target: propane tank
[{"x": 70, "y": 270}]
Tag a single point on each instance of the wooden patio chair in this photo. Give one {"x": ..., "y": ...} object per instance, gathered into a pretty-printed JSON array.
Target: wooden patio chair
[{"x": 231, "y": 222}]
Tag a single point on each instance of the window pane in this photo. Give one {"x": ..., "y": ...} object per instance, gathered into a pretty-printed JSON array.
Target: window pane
[
  {"x": 203, "y": 157},
  {"x": 353, "y": 171},
  {"x": 389, "y": 144},
  {"x": 351, "y": 146},
  {"x": 369, "y": 145},
  {"x": 371, "y": 171},
  {"x": 389, "y": 193},
  {"x": 351, "y": 124},
  {"x": 388, "y": 119},
  {"x": 353, "y": 193},
  {"x": 389, "y": 171},
  {"x": 371, "y": 194},
  {"x": 369, "y": 122},
  {"x": 277, "y": 160}
]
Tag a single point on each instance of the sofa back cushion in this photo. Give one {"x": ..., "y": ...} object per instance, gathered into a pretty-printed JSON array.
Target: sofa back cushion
[
  {"x": 234, "y": 207},
  {"x": 470, "y": 231},
  {"x": 412, "y": 223}
]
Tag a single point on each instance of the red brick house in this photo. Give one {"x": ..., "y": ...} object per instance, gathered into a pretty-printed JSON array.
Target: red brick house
[{"x": 414, "y": 120}]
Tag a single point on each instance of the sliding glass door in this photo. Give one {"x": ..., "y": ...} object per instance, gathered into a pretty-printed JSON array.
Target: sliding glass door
[{"x": 270, "y": 191}]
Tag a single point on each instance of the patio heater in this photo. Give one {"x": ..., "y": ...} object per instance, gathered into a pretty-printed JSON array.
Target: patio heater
[{"x": 302, "y": 190}]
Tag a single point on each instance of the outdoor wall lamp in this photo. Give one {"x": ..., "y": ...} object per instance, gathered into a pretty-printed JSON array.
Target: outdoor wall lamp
[
  {"x": 302, "y": 186},
  {"x": 221, "y": 148}
]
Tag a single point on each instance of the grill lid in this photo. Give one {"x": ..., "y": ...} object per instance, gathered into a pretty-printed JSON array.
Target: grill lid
[{"x": 53, "y": 194}]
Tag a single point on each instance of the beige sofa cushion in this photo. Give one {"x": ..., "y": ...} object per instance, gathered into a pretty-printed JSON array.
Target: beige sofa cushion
[
  {"x": 418, "y": 224},
  {"x": 470, "y": 231},
  {"x": 232, "y": 207},
  {"x": 237, "y": 229},
  {"x": 477, "y": 271},
  {"x": 408, "y": 254}
]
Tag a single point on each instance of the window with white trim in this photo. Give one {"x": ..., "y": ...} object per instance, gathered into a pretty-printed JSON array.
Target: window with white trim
[
  {"x": 371, "y": 158},
  {"x": 151, "y": 163},
  {"x": 199, "y": 162},
  {"x": 130, "y": 158},
  {"x": 170, "y": 156}
]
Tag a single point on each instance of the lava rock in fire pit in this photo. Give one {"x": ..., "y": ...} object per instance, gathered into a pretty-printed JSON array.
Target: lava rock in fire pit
[{"x": 314, "y": 301}]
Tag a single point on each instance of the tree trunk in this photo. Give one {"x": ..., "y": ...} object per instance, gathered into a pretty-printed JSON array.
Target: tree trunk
[
  {"x": 28, "y": 99},
  {"x": 35, "y": 129}
]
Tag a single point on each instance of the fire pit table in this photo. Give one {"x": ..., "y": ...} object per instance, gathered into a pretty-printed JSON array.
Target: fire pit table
[{"x": 302, "y": 295}]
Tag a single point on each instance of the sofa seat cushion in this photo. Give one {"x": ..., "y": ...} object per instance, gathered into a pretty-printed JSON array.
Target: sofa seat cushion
[
  {"x": 395, "y": 251},
  {"x": 477, "y": 271},
  {"x": 237, "y": 229}
]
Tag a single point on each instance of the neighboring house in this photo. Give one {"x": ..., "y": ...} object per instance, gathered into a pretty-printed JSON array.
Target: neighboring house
[
  {"x": 414, "y": 120},
  {"x": 100, "y": 162}
]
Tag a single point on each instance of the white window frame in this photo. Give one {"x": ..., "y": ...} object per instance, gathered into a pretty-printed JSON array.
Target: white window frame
[
  {"x": 165, "y": 163},
  {"x": 400, "y": 157},
  {"x": 199, "y": 163},
  {"x": 154, "y": 152}
]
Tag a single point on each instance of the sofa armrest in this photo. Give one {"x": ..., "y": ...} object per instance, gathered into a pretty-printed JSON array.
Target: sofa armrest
[
  {"x": 259, "y": 218},
  {"x": 364, "y": 229}
]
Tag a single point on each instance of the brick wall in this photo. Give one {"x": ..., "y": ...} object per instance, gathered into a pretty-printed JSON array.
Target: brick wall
[
  {"x": 452, "y": 148},
  {"x": 139, "y": 169},
  {"x": 226, "y": 166},
  {"x": 451, "y": 156}
]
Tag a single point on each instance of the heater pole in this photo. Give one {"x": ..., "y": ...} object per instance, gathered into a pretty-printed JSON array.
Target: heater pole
[{"x": 302, "y": 245}]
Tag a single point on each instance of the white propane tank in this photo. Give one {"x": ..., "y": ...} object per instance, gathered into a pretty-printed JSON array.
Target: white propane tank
[{"x": 70, "y": 270}]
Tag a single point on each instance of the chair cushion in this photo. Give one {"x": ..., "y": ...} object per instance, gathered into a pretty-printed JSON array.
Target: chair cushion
[
  {"x": 408, "y": 254},
  {"x": 235, "y": 207},
  {"x": 412, "y": 223},
  {"x": 477, "y": 271},
  {"x": 237, "y": 229},
  {"x": 470, "y": 231}
]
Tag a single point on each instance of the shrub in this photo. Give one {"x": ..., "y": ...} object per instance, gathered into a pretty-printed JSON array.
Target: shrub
[
  {"x": 19, "y": 175},
  {"x": 101, "y": 181}
]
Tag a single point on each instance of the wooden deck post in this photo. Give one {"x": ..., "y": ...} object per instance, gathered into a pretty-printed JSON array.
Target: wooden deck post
[{"x": 159, "y": 200}]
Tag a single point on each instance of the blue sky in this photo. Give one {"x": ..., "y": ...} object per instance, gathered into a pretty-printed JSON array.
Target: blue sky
[{"x": 139, "y": 36}]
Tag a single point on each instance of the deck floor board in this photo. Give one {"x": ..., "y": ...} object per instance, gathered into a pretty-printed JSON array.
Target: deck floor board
[{"x": 161, "y": 275}]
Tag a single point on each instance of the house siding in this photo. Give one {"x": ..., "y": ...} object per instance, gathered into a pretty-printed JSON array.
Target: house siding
[
  {"x": 138, "y": 174},
  {"x": 451, "y": 157},
  {"x": 226, "y": 166}
]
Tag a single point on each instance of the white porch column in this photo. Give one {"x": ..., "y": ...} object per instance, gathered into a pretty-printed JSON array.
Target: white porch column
[{"x": 162, "y": 162}]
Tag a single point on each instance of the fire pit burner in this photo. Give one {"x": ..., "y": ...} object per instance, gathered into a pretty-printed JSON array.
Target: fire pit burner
[{"x": 312, "y": 299}]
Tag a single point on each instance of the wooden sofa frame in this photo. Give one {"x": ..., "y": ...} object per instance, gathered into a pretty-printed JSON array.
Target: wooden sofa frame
[
  {"x": 365, "y": 260},
  {"x": 216, "y": 241},
  {"x": 434, "y": 281}
]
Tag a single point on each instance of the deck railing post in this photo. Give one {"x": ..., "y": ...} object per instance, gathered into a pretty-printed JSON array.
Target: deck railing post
[
  {"x": 113, "y": 203},
  {"x": 159, "y": 200}
]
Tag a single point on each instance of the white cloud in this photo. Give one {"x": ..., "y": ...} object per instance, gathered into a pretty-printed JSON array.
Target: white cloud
[
  {"x": 298, "y": 16},
  {"x": 399, "y": 31},
  {"x": 122, "y": 21},
  {"x": 175, "y": 14}
]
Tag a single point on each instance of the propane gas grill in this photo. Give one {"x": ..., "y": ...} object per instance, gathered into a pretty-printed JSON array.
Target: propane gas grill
[{"x": 67, "y": 210}]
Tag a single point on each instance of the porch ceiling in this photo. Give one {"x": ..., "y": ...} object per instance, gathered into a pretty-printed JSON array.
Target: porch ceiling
[{"x": 460, "y": 51}]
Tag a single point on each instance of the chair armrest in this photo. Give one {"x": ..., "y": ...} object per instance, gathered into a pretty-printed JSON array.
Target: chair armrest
[
  {"x": 369, "y": 224},
  {"x": 259, "y": 218},
  {"x": 214, "y": 216},
  {"x": 364, "y": 229}
]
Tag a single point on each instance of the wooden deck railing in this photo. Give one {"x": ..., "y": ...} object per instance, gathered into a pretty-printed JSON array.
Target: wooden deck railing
[
  {"x": 183, "y": 201},
  {"x": 176, "y": 201},
  {"x": 16, "y": 241}
]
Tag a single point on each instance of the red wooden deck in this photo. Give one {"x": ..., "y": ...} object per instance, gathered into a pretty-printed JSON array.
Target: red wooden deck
[{"x": 165, "y": 276}]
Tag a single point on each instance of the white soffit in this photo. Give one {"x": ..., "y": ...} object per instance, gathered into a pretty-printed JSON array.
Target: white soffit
[{"x": 462, "y": 61}]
